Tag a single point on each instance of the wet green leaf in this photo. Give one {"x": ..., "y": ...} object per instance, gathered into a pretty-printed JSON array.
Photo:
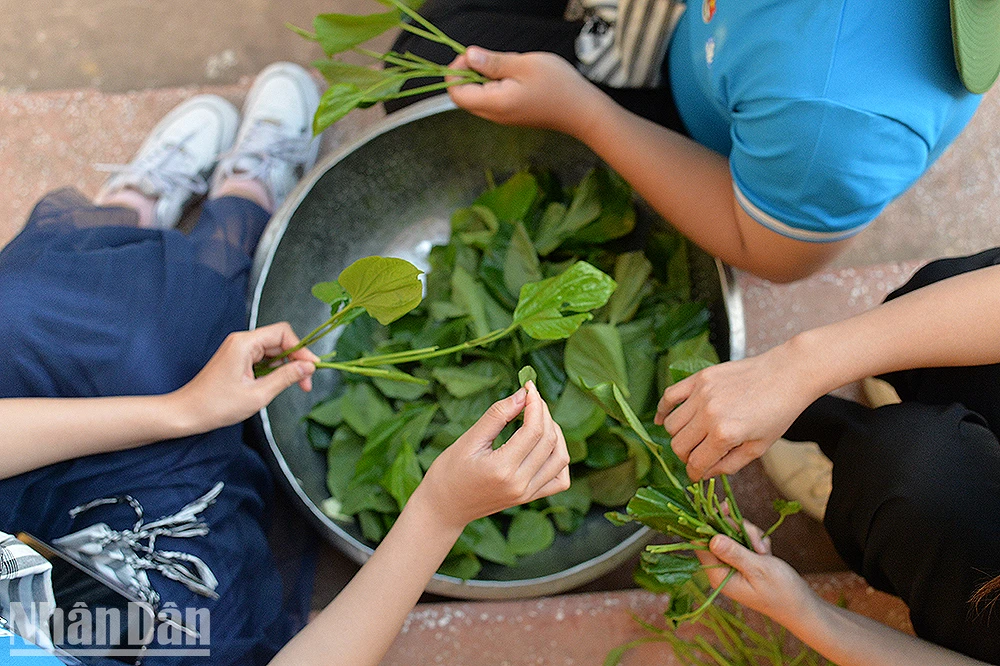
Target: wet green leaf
[
  {"x": 530, "y": 532},
  {"x": 475, "y": 225},
  {"x": 341, "y": 460},
  {"x": 338, "y": 100},
  {"x": 521, "y": 265},
  {"x": 632, "y": 271},
  {"x": 400, "y": 390},
  {"x": 462, "y": 382},
  {"x": 613, "y": 486},
  {"x": 686, "y": 367},
  {"x": 331, "y": 293},
  {"x": 404, "y": 475},
  {"x": 677, "y": 322},
  {"x": 372, "y": 527},
  {"x": 527, "y": 374},
  {"x": 511, "y": 201},
  {"x": 689, "y": 356},
  {"x": 560, "y": 223},
  {"x": 465, "y": 566},
  {"x": 363, "y": 408},
  {"x": 617, "y": 216},
  {"x": 466, "y": 295},
  {"x": 667, "y": 572},
  {"x": 577, "y": 415},
  {"x": 594, "y": 355},
  {"x": 605, "y": 450},
  {"x": 363, "y": 78},
  {"x": 386, "y": 287},
  {"x": 327, "y": 413},
  {"x": 485, "y": 539},
  {"x": 337, "y": 33},
  {"x": 579, "y": 289},
  {"x": 637, "y": 337}
]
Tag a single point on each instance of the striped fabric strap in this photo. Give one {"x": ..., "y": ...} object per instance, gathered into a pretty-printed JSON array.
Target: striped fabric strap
[
  {"x": 18, "y": 560},
  {"x": 623, "y": 42},
  {"x": 26, "y": 596}
]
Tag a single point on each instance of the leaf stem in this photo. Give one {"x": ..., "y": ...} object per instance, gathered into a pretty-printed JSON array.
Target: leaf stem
[
  {"x": 383, "y": 373},
  {"x": 708, "y": 601},
  {"x": 441, "y": 37}
]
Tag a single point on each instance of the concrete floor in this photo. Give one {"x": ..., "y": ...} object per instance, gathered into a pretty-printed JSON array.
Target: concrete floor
[
  {"x": 82, "y": 81},
  {"x": 122, "y": 45}
]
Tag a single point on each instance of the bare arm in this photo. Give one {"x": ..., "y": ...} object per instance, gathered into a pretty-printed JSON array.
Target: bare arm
[
  {"x": 772, "y": 587},
  {"x": 467, "y": 481},
  {"x": 43, "y": 431},
  {"x": 725, "y": 416},
  {"x": 688, "y": 184}
]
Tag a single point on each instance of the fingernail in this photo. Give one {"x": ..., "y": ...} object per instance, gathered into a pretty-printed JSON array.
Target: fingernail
[
  {"x": 475, "y": 56},
  {"x": 530, "y": 386},
  {"x": 520, "y": 395},
  {"x": 719, "y": 543}
]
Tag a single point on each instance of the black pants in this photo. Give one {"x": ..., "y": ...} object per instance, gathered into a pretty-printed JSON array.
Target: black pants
[
  {"x": 915, "y": 506},
  {"x": 521, "y": 26}
]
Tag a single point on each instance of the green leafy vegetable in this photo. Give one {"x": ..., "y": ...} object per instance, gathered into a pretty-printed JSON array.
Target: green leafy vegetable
[
  {"x": 594, "y": 355},
  {"x": 579, "y": 289},
  {"x": 352, "y": 86},
  {"x": 530, "y": 532},
  {"x": 386, "y": 288},
  {"x": 517, "y": 293}
]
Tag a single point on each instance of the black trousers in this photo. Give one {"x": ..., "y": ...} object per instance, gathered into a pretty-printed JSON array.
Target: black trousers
[
  {"x": 521, "y": 26},
  {"x": 915, "y": 506}
]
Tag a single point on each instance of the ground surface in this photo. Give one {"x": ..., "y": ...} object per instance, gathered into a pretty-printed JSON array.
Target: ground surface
[{"x": 82, "y": 81}]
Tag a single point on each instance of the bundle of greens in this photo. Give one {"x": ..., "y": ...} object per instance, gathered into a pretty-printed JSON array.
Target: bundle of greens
[
  {"x": 732, "y": 641},
  {"x": 353, "y": 86},
  {"x": 523, "y": 281}
]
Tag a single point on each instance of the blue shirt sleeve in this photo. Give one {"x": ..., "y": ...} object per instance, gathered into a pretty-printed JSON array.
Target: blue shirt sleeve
[{"x": 817, "y": 171}]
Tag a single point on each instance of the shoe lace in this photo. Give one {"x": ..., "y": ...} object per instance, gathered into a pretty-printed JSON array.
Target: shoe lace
[
  {"x": 161, "y": 170},
  {"x": 262, "y": 147}
]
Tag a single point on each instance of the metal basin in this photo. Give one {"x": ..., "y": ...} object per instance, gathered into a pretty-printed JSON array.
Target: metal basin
[{"x": 391, "y": 193}]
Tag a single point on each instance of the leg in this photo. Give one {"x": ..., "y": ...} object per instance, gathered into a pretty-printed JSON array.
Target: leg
[
  {"x": 69, "y": 208},
  {"x": 226, "y": 235},
  {"x": 913, "y": 510},
  {"x": 974, "y": 387}
]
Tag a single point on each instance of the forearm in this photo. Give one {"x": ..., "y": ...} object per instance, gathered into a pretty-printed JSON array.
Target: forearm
[
  {"x": 953, "y": 322},
  {"x": 692, "y": 188},
  {"x": 849, "y": 639},
  {"x": 358, "y": 627},
  {"x": 43, "y": 431}
]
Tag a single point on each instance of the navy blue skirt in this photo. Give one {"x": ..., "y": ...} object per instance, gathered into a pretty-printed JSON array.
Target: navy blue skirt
[{"x": 92, "y": 307}]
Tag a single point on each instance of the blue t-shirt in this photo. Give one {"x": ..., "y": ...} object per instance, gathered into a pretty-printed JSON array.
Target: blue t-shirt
[{"x": 827, "y": 110}]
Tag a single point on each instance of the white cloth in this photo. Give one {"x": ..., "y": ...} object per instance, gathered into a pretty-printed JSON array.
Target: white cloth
[
  {"x": 623, "y": 42},
  {"x": 26, "y": 598},
  {"x": 126, "y": 555}
]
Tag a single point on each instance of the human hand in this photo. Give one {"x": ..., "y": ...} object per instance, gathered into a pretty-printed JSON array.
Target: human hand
[
  {"x": 762, "y": 581},
  {"x": 727, "y": 415},
  {"x": 530, "y": 89},
  {"x": 227, "y": 392},
  {"x": 470, "y": 479}
]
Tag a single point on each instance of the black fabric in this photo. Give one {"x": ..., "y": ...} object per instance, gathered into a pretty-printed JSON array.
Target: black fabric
[
  {"x": 522, "y": 26},
  {"x": 915, "y": 506}
]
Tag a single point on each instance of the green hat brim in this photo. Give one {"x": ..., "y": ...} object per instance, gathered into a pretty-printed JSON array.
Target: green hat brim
[{"x": 975, "y": 31}]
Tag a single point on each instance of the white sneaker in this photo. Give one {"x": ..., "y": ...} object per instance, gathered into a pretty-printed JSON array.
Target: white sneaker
[
  {"x": 174, "y": 161},
  {"x": 275, "y": 143}
]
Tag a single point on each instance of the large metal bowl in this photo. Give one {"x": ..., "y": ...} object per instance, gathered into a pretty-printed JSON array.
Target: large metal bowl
[{"x": 391, "y": 193}]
